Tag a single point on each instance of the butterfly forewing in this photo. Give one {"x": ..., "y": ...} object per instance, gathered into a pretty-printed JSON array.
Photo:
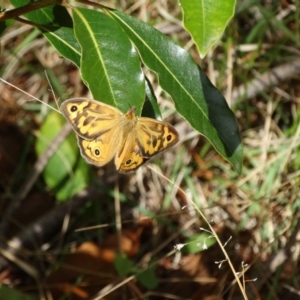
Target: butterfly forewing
[{"x": 90, "y": 118}]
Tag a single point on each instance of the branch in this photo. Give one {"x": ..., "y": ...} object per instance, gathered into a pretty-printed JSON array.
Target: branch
[
  {"x": 31, "y": 6},
  {"x": 266, "y": 81}
]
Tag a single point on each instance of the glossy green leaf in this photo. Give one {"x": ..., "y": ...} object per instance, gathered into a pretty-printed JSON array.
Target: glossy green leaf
[
  {"x": 195, "y": 98},
  {"x": 66, "y": 172},
  {"x": 110, "y": 65},
  {"x": 206, "y": 21},
  {"x": 57, "y": 26},
  {"x": 151, "y": 108}
]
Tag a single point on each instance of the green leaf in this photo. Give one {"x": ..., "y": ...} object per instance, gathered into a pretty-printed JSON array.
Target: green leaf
[
  {"x": 206, "y": 21},
  {"x": 196, "y": 99},
  {"x": 66, "y": 172},
  {"x": 151, "y": 108},
  {"x": 123, "y": 265},
  {"x": 148, "y": 278},
  {"x": 57, "y": 26},
  {"x": 78, "y": 180},
  {"x": 5, "y": 24},
  {"x": 110, "y": 65}
]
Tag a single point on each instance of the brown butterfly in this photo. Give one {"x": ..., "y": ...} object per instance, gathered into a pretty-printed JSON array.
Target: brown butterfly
[{"x": 104, "y": 132}]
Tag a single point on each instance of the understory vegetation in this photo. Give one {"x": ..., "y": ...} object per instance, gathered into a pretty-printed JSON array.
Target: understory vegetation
[{"x": 152, "y": 234}]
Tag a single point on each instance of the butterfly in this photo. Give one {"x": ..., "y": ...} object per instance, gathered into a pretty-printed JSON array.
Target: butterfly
[{"x": 104, "y": 132}]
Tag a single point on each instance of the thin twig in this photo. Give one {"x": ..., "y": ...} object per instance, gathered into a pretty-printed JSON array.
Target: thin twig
[
  {"x": 266, "y": 81},
  {"x": 30, "y": 7}
]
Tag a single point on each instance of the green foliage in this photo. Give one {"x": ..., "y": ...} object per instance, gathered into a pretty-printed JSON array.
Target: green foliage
[
  {"x": 123, "y": 265},
  {"x": 66, "y": 172},
  {"x": 110, "y": 67},
  {"x": 265, "y": 198},
  {"x": 146, "y": 277},
  {"x": 195, "y": 98},
  {"x": 57, "y": 26},
  {"x": 109, "y": 64},
  {"x": 206, "y": 21},
  {"x": 101, "y": 44}
]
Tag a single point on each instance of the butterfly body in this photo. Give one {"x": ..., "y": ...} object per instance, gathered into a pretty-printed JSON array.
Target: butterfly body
[{"x": 104, "y": 132}]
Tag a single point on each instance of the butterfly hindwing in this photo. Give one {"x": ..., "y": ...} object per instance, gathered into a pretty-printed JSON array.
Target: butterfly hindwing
[
  {"x": 97, "y": 151},
  {"x": 148, "y": 138},
  {"x": 155, "y": 136},
  {"x": 128, "y": 157}
]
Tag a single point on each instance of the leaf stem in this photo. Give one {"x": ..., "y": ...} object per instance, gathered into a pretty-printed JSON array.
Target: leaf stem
[{"x": 31, "y": 6}]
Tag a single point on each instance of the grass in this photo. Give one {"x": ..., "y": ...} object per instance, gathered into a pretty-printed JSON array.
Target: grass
[{"x": 255, "y": 214}]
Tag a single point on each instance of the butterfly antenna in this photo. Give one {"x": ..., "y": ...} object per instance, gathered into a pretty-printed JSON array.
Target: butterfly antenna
[
  {"x": 24, "y": 92},
  {"x": 52, "y": 91}
]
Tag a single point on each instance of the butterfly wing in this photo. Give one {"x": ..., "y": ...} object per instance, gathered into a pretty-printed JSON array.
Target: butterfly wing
[
  {"x": 99, "y": 151},
  {"x": 146, "y": 139},
  {"x": 155, "y": 136},
  {"x": 97, "y": 127},
  {"x": 89, "y": 118},
  {"x": 128, "y": 157}
]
